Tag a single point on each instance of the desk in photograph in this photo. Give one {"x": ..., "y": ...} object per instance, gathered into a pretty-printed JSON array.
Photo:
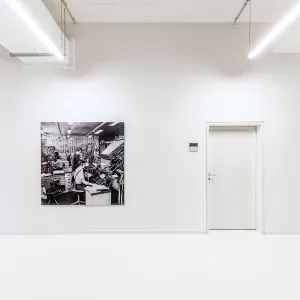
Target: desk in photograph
[
  {"x": 47, "y": 180},
  {"x": 59, "y": 176},
  {"x": 68, "y": 181},
  {"x": 98, "y": 195}
]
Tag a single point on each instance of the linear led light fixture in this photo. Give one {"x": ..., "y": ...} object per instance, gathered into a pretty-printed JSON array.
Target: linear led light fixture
[
  {"x": 99, "y": 131},
  {"x": 99, "y": 126},
  {"x": 114, "y": 124},
  {"x": 288, "y": 19},
  {"x": 33, "y": 26}
]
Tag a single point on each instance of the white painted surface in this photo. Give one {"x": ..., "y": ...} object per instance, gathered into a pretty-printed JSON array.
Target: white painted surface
[
  {"x": 134, "y": 267},
  {"x": 169, "y": 11},
  {"x": 165, "y": 84},
  {"x": 231, "y": 178},
  {"x": 185, "y": 11},
  {"x": 20, "y": 39}
]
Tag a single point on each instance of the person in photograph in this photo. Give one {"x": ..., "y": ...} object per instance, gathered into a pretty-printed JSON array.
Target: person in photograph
[
  {"x": 68, "y": 155},
  {"x": 44, "y": 156},
  {"x": 89, "y": 156},
  {"x": 76, "y": 159},
  {"x": 89, "y": 148},
  {"x": 83, "y": 150},
  {"x": 79, "y": 179},
  {"x": 51, "y": 154},
  {"x": 56, "y": 154}
]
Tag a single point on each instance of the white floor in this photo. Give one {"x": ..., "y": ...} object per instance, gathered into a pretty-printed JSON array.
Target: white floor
[{"x": 220, "y": 265}]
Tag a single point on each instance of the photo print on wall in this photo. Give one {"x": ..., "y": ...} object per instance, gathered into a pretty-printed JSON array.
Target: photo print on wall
[{"x": 82, "y": 163}]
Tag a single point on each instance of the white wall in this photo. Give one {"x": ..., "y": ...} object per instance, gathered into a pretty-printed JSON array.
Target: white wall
[{"x": 165, "y": 82}]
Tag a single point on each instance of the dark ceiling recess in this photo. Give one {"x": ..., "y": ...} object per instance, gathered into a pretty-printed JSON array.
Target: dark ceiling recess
[{"x": 83, "y": 128}]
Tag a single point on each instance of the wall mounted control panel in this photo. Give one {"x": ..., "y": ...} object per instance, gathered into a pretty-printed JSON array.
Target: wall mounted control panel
[{"x": 193, "y": 147}]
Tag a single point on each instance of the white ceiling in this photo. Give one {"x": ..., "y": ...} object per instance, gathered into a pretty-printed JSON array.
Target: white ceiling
[
  {"x": 169, "y": 11},
  {"x": 18, "y": 38}
]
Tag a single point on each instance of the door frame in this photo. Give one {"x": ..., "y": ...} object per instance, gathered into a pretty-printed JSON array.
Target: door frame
[{"x": 259, "y": 169}]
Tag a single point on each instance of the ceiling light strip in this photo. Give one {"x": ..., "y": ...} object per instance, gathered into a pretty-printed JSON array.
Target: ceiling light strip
[
  {"x": 114, "y": 124},
  {"x": 99, "y": 131},
  {"x": 33, "y": 26},
  {"x": 287, "y": 20},
  {"x": 99, "y": 126}
]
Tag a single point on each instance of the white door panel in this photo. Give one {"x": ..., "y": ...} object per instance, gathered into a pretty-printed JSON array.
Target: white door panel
[{"x": 231, "y": 178}]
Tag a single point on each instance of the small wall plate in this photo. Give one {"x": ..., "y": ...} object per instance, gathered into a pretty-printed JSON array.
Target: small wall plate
[{"x": 193, "y": 147}]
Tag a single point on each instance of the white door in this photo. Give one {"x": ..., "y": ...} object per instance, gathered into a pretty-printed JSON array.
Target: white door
[{"x": 231, "y": 178}]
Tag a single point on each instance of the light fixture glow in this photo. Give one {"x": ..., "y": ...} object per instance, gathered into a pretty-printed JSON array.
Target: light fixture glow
[
  {"x": 33, "y": 26},
  {"x": 99, "y": 126},
  {"x": 69, "y": 131},
  {"x": 99, "y": 131},
  {"x": 291, "y": 16},
  {"x": 114, "y": 124}
]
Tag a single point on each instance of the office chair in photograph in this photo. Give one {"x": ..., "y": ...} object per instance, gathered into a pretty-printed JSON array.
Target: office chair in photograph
[{"x": 77, "y": 193}]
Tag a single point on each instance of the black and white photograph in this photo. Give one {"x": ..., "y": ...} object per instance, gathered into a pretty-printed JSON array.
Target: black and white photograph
[{"x": 82, "y": 163}]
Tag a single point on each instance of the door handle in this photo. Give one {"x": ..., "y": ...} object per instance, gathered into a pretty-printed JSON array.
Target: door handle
[{"x": 210, "y": 176}]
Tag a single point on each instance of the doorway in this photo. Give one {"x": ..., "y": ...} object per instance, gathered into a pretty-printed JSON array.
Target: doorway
[{"x": 234, "y": 176}]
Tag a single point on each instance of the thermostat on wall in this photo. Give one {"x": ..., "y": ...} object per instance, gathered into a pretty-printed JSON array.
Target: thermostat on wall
[{"x": 193, "y": 147}]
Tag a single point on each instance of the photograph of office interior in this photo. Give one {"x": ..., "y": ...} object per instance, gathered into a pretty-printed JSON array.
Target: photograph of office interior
[{"x": 82, "y": 163}]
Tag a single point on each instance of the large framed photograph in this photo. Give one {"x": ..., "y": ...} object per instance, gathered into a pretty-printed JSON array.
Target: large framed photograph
[{"x": 82, "y": 163}]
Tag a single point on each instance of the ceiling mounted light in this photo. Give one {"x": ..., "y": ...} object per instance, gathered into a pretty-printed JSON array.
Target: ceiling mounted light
[
  {"x": 93, "y": 131},
  {"x": 69, "y": 131},
  {"x": 33, "y": 26},
  {"x": 287, "y": 20},
  {"x": 99, "y": 131},
  {"x": 114, "y": 124}
]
